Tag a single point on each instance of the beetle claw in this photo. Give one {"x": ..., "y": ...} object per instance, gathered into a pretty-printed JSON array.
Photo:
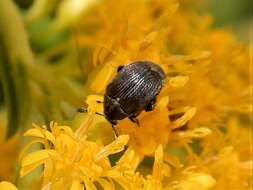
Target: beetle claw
[
  {"x": 150, "y": 105},
  {"x": 135, "y": 120},
  {"x": 119, "y": 68}
]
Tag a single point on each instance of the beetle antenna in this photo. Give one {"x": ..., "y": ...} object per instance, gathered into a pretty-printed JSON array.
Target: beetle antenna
[{"x": 99, "y": 114}]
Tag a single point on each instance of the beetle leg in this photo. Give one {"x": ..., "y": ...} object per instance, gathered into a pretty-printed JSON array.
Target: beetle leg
[
  {"x": 134, "y": 120},
  {"x": 150, "y": 106},
  {"x": 119, "y": 68},
  {"x": 115, "y": 131}
]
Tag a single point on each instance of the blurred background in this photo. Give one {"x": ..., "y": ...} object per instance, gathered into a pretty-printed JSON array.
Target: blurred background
[
  {"x": 56, "y": 86},
  {"x": 234, "y": 14}
]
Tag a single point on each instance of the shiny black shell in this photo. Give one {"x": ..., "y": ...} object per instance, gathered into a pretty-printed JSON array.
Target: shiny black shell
[{"x": 133, "y": 90}]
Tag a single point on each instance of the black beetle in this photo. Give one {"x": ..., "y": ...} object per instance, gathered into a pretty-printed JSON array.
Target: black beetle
[{"x": 133, "y": 90}]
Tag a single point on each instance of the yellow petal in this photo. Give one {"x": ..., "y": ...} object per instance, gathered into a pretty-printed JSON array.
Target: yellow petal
[
  {"x": 171, "y": 9},
  {"x": 115, "y": 147},
  {"x": 4, "y": 185},
  {"x": 148, "y": 40},
  {"x": 62, "y": 129},
  {"x": 88, "y": 184},
  {"x": 95, "y": 55},
  {"x": 173, "y": 160},
  {"x": 163, "y": 103},
  {"x": 93, "y": 105},
  {"x": 130, "y": 157},
  {"x": 33, "y": 160},
  {"x": 178, "y": 81},
  {"x": 198, "y": 56},
  {"x": 185, "y": 118},
  {"x": 76, "y": 185},
  {"x": 247, "y": 166},
  {"x": 40, "y": 132},
  {"x": 106, "y": 184},
  {"x": 199, "y": 181},
  {"x": 27, "y": 146},
  {"x": 193, "y": 181},
  {"x": 157, "y": 168},
  {"x": 199, "y": 132},
  {"x": 49, "y": 167},
  {"x": 102, "y": 78},
  {"x": 47, "y": 186}
]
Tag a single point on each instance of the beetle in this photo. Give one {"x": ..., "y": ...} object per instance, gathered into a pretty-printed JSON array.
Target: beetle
[{"x": 133, "y": 90}]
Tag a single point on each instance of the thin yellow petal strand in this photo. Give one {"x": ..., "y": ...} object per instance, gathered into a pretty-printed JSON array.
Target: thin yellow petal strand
[
  {"x": 155, "y": 181},
  {"x": 193, "y": 181},
  {"x": 174, "y": 161},
  {"x": 4, "y": 185},
  {"x": 199, "y": 181},
  {"x": 199, "y": 132},
  {"x": 148, "y": 40},
  {"x": 178, "y": 81},
  {"x": 115, "y": 147},
  {"x": 198, "y": 56},
  {"x": 171, "y": 9},
  {"x": 48, "y": 170},
  {"x": 157, "y": 168},
  {"x": 185, "y": 118}
]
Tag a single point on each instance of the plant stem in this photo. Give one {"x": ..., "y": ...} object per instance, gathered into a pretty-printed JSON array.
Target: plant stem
[{"x": 15, "y": 52}]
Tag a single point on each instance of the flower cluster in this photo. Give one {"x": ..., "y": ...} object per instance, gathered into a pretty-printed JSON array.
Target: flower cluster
[{"x": 70, "y": 162}]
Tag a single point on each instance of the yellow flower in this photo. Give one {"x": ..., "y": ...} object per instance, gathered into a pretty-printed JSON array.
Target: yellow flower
[
  {"x": 124, "y": 173},
  {"x": 147, "y": 42},
  {"x": 4, "y": 185},
  {"x": 232, "y": 165},
  {"x": 70, "y": 161},
  {"x": 197, "y": 135},
  {"x": 235, "y": 176}
]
